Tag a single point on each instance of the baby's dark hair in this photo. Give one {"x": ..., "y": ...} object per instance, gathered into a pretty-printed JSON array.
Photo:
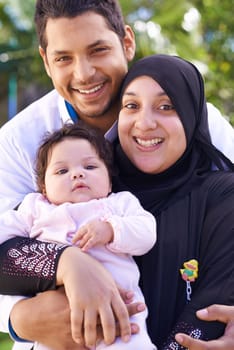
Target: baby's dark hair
[{"x": 79, "y": 130}]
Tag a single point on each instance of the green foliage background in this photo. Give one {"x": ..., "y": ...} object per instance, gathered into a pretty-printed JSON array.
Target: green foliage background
[
  {"x": 5, "y": 342},
  {"x": 199, "y": 30}
]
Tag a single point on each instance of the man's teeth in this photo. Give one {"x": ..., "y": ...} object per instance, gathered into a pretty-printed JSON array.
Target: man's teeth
[
  {"x": 149, "y": 143},
  {"x": 96, "y": 88}
]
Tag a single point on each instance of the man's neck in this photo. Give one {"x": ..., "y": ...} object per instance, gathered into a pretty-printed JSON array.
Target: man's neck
[{"x": 103, "y": 122}]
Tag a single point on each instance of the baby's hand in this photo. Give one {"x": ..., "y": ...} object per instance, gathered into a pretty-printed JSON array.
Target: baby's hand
[{"x": 93, "y": 233}]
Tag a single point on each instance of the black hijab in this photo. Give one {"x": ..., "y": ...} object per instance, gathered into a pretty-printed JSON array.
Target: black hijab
[{"x": 183, "y": 83}]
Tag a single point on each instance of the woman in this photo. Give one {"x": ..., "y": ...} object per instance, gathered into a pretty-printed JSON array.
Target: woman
[{"x": 165, "y": 158}]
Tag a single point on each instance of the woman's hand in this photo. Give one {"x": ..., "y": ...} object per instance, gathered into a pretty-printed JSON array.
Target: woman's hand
[
  {"x": 92, "y": 295},
  {"x": 220, "y": 313},
  {"x": 46, "y": 318}
]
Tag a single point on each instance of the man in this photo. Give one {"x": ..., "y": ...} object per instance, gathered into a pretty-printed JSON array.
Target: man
[{"x": 86, "y": 48}]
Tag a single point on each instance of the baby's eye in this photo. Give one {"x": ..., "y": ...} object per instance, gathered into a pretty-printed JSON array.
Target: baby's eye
[
  {"x": 61, "y": 171},
  {"x": 91, "y": 167}
]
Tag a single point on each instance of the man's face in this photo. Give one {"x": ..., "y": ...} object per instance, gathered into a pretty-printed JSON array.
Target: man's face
[{"x": 87, "y": 62}]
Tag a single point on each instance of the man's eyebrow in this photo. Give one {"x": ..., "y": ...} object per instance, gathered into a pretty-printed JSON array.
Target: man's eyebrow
[
  {"x": 59, "y": 52},
  {"x": 94, "y": 44},
  {"x": 97, "y": 43}
]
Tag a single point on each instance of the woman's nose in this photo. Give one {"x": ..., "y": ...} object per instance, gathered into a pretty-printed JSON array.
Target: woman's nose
[{"x": 146, "y": 119}]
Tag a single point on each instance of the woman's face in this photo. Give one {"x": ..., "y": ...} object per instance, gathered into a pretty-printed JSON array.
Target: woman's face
[{"x": 150, "y": 131}]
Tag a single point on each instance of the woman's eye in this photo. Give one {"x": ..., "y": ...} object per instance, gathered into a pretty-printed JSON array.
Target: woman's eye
[
  {"x": 166, "y": 107},
  {"x": 130, "y": 105}
]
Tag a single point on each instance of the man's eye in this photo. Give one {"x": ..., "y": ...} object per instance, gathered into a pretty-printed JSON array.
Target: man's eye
[
  {"x": 62, "y": 59},
  {"x": 100, "y": 49}
]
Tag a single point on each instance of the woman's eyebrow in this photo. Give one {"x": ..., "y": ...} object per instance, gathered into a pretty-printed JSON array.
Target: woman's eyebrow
[{"x": 131, "y": 93}]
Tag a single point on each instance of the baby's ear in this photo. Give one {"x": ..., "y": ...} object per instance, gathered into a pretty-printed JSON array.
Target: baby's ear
[{"x": 43, "y": 191}]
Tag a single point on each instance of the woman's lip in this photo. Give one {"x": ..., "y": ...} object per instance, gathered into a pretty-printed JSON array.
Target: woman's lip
[{"x": 148, "y": 142}]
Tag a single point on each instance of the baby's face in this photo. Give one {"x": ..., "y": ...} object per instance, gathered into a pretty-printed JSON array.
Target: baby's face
[{"x": 75, "y": 173}]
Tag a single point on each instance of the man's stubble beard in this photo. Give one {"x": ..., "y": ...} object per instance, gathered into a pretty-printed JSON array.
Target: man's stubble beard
[{"x": 107, "y": 109}]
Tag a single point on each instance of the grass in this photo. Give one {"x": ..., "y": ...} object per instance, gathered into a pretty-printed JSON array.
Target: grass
[{"x": 5, "y": 342}]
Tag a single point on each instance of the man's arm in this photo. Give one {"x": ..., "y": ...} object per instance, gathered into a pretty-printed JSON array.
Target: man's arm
[
  {"x": 220, "y": 313},
  {"x": 46, "y": 319},
  {"x": 221, "y": 131}
]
